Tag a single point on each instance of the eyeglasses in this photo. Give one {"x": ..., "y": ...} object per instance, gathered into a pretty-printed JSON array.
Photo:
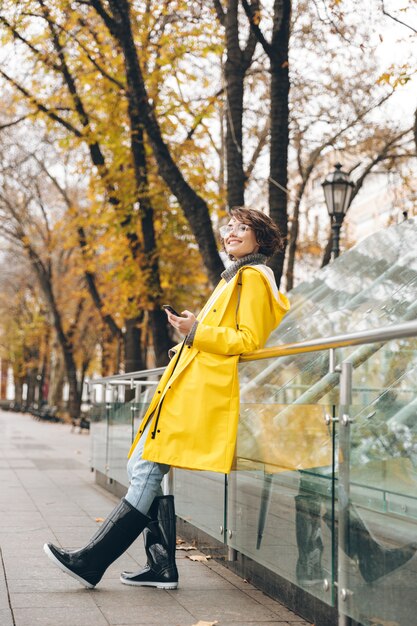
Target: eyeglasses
[{"x": 239, "y": 229}]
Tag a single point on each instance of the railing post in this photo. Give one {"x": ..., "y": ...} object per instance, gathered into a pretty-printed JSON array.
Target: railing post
[
  {"x": 344, "y": 488},
  {"x": 230, "y": 486},
  {"x": 108, "y": 410}
]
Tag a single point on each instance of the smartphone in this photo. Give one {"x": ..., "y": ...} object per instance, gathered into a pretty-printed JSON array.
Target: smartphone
[{"x": 169, "y": 308}]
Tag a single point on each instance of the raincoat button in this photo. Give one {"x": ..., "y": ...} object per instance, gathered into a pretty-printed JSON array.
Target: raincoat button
[
  {"x": 214, "y": 310},
  {"x": 158, "y": 431},
  {"x": 159, "y": 391}
]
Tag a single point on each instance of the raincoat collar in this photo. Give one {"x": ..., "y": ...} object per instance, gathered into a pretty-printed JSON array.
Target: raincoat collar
[{"x": 250, "y": 259}]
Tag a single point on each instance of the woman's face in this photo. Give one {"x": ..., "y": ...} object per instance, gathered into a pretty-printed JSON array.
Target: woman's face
[{"x": 241, "y": 240}]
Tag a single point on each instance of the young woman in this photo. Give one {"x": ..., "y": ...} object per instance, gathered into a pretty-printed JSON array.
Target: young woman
[{"x": 193, "y": 416}]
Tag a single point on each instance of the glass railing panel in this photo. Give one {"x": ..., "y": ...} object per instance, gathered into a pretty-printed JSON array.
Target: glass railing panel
[
  {"x": 98, "y": 437},
  {"x": 379, "y": 561},
  {"x": 200, "y": 500},
  {"x": 373, "y": 284},
  {"x": 280, "y": 510},
  {"x": 369, "y": 274},
  {"x": 298, "y": 379},
  {"x": 119, "y": 440}
]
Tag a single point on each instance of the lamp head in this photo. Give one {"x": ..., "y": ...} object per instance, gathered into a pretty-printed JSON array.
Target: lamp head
[{"x": 338, "y": 190}]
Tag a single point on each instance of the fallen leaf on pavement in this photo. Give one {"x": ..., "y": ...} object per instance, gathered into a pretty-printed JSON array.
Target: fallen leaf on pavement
[
  {"x": 186, "y": 548},
  {"x": 200, "y": 623},
  {"x": 198, "y": 557},
  {"x": 99, "y": 519}
]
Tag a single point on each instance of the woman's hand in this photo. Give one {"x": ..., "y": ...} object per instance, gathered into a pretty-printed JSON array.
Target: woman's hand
[{"x": 184, "y": 323}]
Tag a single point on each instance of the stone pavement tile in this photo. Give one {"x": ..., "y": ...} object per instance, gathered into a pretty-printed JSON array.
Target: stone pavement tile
[
  {"x": 18, "y": 519},
  {"x": 11, "y": 486},
  {"x": 256, "y": 623},
  {"x": 197, "y": 582},
  {"x": 29, "y": 568},
  {"x": 53, "y": 600},
  {"x": 227, "y": 574},
  {"x": 281, "y": 610},
  {"x": 107, "y": 598},
  {"x": 33, "y": 478},
  {"x": 262, "y": 597},
  {"x": 72, "y": 522},
  {"x": 21, "y": 464},
  {"x": 283, "y": 613},
  {"x": 193, "y": 621},
  {"x": 49, "y": 510},
  {"x": 56, "y": 616},
  {"x": 230, "y": 605},
  {"x": 147, "y": 614},
  {"x": 20, "y": 552},
  {"x": 4, "y": 599},
  {"x": 6, "y": 618},
  {"x": 32, "y": 537},
  {"x": 20, "y": 502},
  {"x": 45, "y": 585}
]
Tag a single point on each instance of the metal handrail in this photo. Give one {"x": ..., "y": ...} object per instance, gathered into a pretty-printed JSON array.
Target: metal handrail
[
  {"x": 129, "y": 376},
  {"x": 375, "y": 335}
]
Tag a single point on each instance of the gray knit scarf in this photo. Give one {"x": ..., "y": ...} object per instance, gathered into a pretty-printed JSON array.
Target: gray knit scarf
[{"x": 250, "y": 259}]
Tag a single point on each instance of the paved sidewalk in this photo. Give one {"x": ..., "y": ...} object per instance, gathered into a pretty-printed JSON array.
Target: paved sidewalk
[{"x": 47, "y": 493}]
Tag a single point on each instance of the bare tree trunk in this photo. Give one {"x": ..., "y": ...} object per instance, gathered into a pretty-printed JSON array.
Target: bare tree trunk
[
  {"x": 133, "y": 358},
  {"x": 56, "y": 378},
  {"x": 31, "y": 385},
  {"x": 280, "y": 88},
  {"x": 45, "y": 281},
  {"x": 237, "y": 63},
  {"x": 18, "y": 389},
  {"x": 277, "y": 51},
  {"x": 234, "y": 75}
]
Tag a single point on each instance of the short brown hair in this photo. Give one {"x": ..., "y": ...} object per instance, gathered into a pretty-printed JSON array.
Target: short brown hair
[{"x": 267, "y": 233}]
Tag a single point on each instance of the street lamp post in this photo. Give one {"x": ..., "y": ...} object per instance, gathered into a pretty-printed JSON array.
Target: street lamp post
[{"x": 338, "y": 190}]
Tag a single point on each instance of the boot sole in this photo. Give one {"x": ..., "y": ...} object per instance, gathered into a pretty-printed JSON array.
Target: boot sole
[
  {"x": 134, "y": 583},
  {"x": 65, "y": 569}
]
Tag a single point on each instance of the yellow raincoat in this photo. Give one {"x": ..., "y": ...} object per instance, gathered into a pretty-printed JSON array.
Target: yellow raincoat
[{"x": 195, "y": 408}]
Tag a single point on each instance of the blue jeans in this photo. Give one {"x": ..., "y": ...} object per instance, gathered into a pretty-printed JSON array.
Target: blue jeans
[{"x": 145, "y": 477}]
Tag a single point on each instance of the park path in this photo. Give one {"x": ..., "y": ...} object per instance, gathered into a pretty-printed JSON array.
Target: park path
[{"x": 48, "y": 493}]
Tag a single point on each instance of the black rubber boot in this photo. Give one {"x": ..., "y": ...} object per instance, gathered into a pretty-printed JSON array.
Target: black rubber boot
[
  {"x": 309, "y": 542},
  {"x": 160, "y": 545},
  {"x": 118, "y": 531},
  {"x": 374, "y": 560}
]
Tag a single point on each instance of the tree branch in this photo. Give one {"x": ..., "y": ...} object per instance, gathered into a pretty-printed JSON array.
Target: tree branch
[
  {"x": 252, "y": 17},
  {"x": 392, "y": 17},
  {"x": 15, "y": 122},
  {"x": 41, "y": 107},
  {"x": 93, "y": 61},
  {"x": 258, "y": 149},
  {"x": 101, "y": 11},
  {"x": 221, "y": 15},
  {"x": 252, "y": 40},
  {"x": 383, "y": 155}
]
